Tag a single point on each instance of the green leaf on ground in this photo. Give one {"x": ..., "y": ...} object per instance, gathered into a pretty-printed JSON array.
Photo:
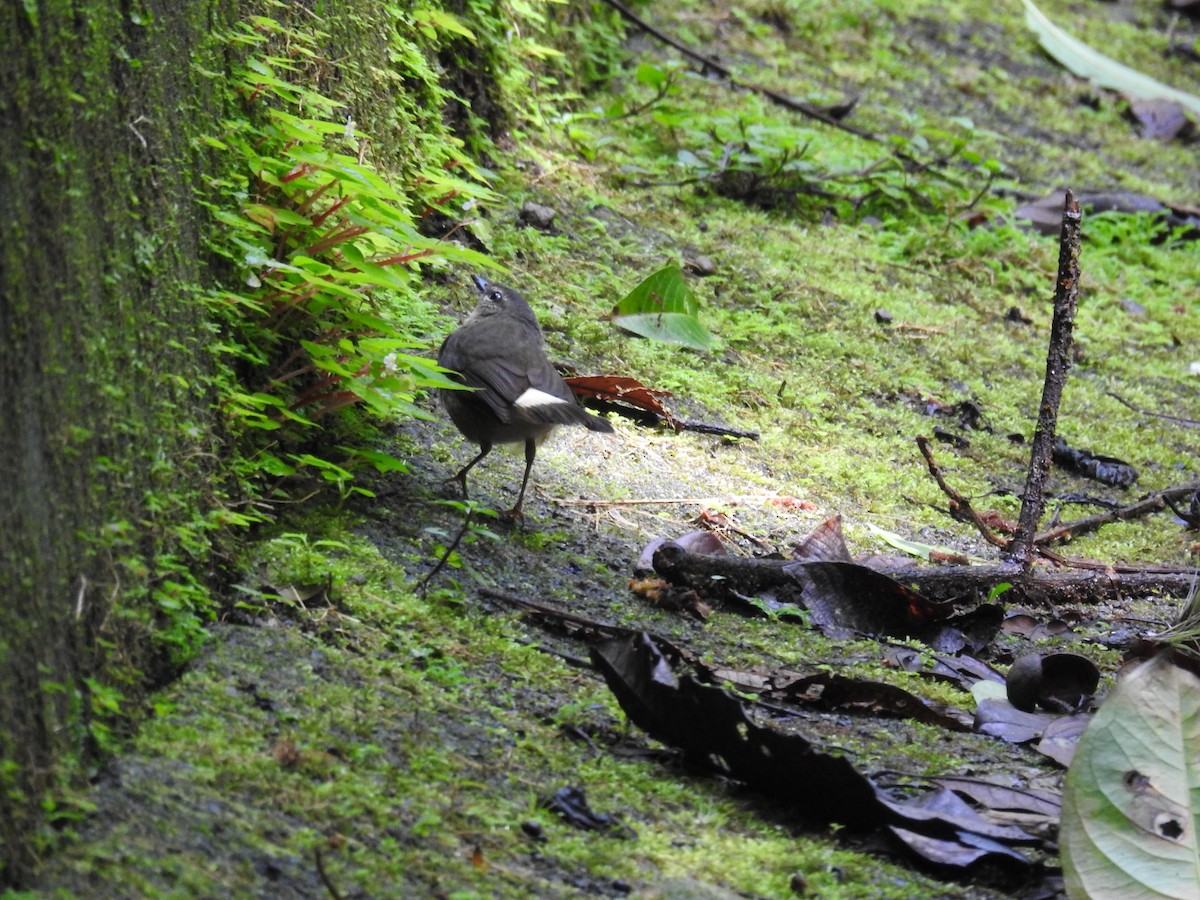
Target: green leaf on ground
[
  {"x": 663, "y": 308},
  {"x": 1099, "y": 69},
  {"x": 1133, "y": 790}
]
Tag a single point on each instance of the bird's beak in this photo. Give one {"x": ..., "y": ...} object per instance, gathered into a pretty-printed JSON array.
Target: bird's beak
[{"x": 481, "y": 283}]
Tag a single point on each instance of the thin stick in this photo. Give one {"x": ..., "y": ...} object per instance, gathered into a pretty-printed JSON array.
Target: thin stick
[
  {"x": 1058, "y": 362},
  {"x": 441, "y": 563},
  {"x": 325, "y": 879},
  {"x": 960, "y": 506},
  {"x": 662, "y": 501},
  {"x": 1190, "y": 423},
  {"x": 1150, "y": 504},
  {"x": 724, "y": 71},
  {"x": 722, "y": 430}
]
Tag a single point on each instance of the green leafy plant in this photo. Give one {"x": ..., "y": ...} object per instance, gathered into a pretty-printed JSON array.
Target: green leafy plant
[
  {"x": 773, "y": 162},
  {"x": 329, "y": 315}
]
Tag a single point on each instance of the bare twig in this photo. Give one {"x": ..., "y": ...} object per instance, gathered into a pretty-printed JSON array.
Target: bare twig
[
  {"x": 579, "y": 627},
  {"x": 960, "y": 506},
  {"x": 1150, "y": 504},
  {"x": 325, "y": 879},
  {"x": 441, "y": 563},
  {"x": 722, "y": 430},
  {"x": 666, "y": 501},
  {"x": 1090, "y": 583},
  {"x": 724, "y": 71},
  {"x": 1058, "y": 362},
  {"x": 1190, "y": 423}
]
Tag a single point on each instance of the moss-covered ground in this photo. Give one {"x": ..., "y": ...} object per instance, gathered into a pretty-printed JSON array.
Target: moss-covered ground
[{"x": 376, "y": 740}]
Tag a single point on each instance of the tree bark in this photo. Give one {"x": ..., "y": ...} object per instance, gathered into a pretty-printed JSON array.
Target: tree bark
[{"x": 103, "y": 367}]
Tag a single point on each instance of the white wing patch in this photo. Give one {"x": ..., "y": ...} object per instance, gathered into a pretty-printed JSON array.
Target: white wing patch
[{"x": 533, "y": 398}]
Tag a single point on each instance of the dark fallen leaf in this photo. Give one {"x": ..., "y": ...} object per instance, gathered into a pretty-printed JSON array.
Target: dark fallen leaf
[
  {"x": 972, "y": 630},
  {"x": 715, "y": 730},
  {"x": 571, "y": 805},
  {"x": 759, "y": 682},
  {"x": 1045, "y": 214},
  {"x": 1061, "y": 737},
  {"x": 844, "y": 597},
  {"x": 1159, "y": 119},
  {"x": 1056, "y": 735},
  {"x": 1104, "y": 469},
  {"x": 964, "y": 671},
  {"x": 829, "y": 691},
  {"x": 1003, "y": 720},
  {"x": 833, "y": 692},
  {"x": 902, "y": 658},
  {"x": 621, "y": 391},
  {"x": 825, "y": 542},
  {"x": 959, "y": 853},
  {"x": 1005, "y": 798},
  {"x": 946, "y": 807},
  {"x": 693, "y": 542},
  {"x": 1029, "y": 626}
]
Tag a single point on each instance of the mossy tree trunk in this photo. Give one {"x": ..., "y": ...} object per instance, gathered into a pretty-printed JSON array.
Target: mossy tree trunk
[
  {"x": 106, "y": 435},
  {"x": 110, "y": 420}
]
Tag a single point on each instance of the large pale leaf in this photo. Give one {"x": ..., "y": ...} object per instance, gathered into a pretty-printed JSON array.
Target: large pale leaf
[
  {"x": 1099, "y": 69},
  {"x": 663, "y": 308},
  {"x": 1133, "y": 790}
]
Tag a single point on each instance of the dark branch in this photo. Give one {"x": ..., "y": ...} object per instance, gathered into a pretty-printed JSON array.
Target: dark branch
[
  {"x": 724, "y": 71},
  {"x": 1150, "y": 504},
  {"x": 960, "y": 506},
  {"x": 707, "y": 428},
  {"x": 1058, "y": 362},
  {"x": 1190, "y": 423}
]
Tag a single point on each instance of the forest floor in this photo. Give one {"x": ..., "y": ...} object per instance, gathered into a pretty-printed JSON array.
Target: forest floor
[{"x": 353, "y": 731}]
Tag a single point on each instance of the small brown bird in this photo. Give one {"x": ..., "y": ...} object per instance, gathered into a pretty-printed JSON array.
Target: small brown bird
[{"x": 518, "y": 396}]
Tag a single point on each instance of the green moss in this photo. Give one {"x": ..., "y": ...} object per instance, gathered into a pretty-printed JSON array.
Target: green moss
[
  {"x": 414, "y": 744},
  {"x": 424, "y": 730}
]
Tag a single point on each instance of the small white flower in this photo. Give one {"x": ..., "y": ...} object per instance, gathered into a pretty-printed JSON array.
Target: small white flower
[
  {"x": 350, "y": 123},
  {"x": 390, "y": 367},
  {"x": 469, "y": 205}
]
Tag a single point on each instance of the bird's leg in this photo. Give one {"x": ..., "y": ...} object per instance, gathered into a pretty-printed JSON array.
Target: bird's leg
[
  {"x": 485, "y": 447},
  {"x": 530, "y": 453}
]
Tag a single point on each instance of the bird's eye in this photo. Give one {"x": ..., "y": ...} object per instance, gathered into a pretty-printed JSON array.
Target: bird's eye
[{"x": 496, "y": 295}]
